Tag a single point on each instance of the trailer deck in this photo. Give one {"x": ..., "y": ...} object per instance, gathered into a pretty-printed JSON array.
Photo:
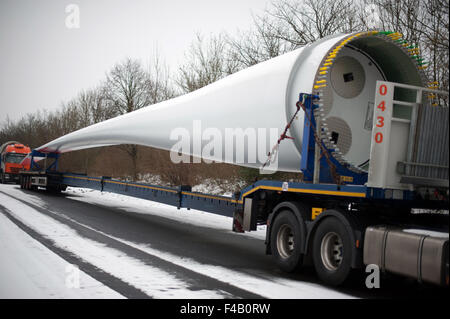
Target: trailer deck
[{"x": 184, "y": 197}]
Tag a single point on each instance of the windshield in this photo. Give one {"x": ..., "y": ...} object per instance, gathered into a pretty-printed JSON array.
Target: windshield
[{"x": 14, "y": 158}]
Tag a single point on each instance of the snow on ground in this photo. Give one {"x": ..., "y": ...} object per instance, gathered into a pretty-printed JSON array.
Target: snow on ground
[
  {"x": 153, "y": 281},
  {"x": 29, "y": 270},
  {"x": 272, "y": 287},
  {"x": 218, "y": 187},
  {"x": 223, "y": 187},
  {"x": 269, "y": 287}
]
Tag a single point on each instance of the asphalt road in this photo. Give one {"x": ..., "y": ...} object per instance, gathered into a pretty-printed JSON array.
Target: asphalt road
[{"x": 205, "y": 245}]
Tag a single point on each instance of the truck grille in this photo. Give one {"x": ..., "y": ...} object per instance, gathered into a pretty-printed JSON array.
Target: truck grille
[{"x": 15, "y": 170}]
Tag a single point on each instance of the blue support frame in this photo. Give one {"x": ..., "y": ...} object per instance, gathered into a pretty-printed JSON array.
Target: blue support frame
[
  {"x": 308, "y": 143},
  {"x": 308, "y": 150},
  {"x": 35, "y": 166}
]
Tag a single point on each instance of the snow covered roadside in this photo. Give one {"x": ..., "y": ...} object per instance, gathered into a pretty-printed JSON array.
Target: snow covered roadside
[
  {"x": 153, "y": 281},
  {"x": 30, "y": 270}
]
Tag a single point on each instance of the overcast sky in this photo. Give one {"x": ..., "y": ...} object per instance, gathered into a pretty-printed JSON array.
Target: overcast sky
[{"x": 43, "y": 62}]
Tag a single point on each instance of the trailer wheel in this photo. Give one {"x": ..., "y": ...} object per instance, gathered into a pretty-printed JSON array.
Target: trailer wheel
[
  {"x": 2, "y": 180},
  {"x": 285, "y": 241},
  {"x": 332, "y": 253}
]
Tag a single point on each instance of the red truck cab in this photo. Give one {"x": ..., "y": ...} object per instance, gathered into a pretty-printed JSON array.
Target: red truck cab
[{"x": 10, "y": 161}]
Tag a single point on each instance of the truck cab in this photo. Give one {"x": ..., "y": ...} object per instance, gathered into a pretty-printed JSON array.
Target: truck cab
[{"x": 11, "y": 156}]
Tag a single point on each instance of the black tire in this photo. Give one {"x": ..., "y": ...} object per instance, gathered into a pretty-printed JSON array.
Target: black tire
[
  {"x": 332, "y": 251},
  {"x": 286, "y": 241},
  {"x": 2, "y": 179},
  {"x": 29, "y": 186},
  {"x": 27, "y": 182},
  {"x": 21, "y": 181}
]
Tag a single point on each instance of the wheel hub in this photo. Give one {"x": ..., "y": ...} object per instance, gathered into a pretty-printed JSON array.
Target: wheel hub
[
  {"x": 285, "y": 241},
  {"x": 331, "y": 251}
]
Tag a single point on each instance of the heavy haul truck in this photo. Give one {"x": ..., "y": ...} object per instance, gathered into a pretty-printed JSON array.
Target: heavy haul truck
[
  {"x": 369, "y": 136},
  {"x": 11, "y": 155},
  {"x": 336, "y": 225}
]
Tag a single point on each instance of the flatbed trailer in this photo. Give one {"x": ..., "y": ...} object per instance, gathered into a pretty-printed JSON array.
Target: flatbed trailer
[
  {"x": 332, "y": 224},
  {"x": 357, "y": 208}
]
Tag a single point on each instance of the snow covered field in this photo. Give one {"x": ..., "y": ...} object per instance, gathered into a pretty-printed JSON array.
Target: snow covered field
[{"x": 154, "y": 282}]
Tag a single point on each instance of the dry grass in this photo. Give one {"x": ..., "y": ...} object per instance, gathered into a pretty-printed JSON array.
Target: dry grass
[{"x": 114, "y": 162}]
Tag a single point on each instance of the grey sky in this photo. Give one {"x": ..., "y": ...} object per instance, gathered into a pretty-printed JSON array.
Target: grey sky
[{"x": 43, "y": 63}]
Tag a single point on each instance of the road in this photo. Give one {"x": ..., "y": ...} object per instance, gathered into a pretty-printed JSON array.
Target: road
[{"x": 207, "y": 260}]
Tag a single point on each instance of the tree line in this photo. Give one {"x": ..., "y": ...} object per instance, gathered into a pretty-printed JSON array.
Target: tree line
[{"x": 286, "y": 25}]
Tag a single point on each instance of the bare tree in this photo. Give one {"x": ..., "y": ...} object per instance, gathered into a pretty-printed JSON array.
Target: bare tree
[
  {"x": 160, "y": 87},
  {"x": 258, "y": 44},
  {"x": 206, "y": 62},
  {"x": 426, "y": 25},
  {"x": 93, "y": 106},
  {"x": 288, "y": 25},
  {"x": 130, "y": 87},
  {"x": 126, "y": 87},
  {"x": 302, "y": 22}
]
